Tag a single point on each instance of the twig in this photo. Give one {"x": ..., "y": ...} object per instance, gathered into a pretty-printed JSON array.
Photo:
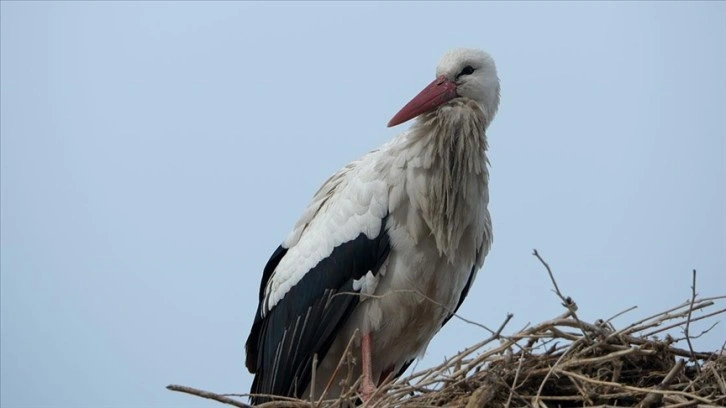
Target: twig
[
  {"x": 661, "y": 317},
  {"x": 688, "y": 323},
  {"x": 551, "y": 370},
  {"x": 566, "y": 301},
  {"x": 699, "y": 334},
  {"x": 208, "y": 395},
  {"x": 621, "y": 313},
  {"x": 337, "y": 368},
  {"x": 514, "y": 381},
  {"x": 654, "y": 398},
  {"x": 313, "y": 369},
  {"x": 552, "y": 277},
  {"x": 583, "y": 395},
  {"x": 658, "y": 319},
  {"x": 706, "y": 316},
  {"x": 631, "y": 388},
  {"x": 419, "y": 293},
  {"x": 460, "y": 356},
  {"x": 719, "y": 379}
]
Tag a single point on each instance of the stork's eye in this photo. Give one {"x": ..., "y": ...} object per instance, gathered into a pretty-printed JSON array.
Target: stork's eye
[{"x": 468, "y": 70}]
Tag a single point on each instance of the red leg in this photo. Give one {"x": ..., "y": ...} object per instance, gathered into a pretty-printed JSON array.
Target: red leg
[{"x": 367, "y": 388}]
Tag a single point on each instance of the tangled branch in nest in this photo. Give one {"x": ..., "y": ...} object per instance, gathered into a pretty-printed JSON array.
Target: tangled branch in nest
[{"x": 563, "y": 362}]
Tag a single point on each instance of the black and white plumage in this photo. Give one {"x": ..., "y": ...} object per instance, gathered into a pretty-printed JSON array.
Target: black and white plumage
[{"x": 387, "y": 249}]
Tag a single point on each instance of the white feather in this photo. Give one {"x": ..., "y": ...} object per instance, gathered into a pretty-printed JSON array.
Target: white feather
[{"x": 352, "y": 202}]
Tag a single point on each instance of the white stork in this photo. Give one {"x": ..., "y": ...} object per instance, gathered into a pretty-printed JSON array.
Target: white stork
[{"x": 388, "y": 248}]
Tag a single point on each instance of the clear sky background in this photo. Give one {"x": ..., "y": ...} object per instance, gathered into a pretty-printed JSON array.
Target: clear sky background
[{"x": 153, "y": 155}]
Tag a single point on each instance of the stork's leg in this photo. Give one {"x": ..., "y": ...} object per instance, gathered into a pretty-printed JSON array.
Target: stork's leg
[{"x": 367, "y": 388}]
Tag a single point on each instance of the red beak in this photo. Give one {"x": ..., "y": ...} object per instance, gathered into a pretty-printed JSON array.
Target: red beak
[{"x": 433, "y": 96}]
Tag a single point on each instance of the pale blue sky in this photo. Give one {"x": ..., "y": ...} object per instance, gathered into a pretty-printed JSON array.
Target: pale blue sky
[{"x": 153, "y": 155}]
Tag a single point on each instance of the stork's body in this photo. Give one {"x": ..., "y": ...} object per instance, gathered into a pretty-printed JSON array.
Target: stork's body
[{"x": 387, "y": 249}]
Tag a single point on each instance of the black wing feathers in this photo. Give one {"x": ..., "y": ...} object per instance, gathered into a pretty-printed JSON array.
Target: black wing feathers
[
  {"x": 281, "y": 346},
  {"x": 464, "y": 292},
  {"x": 251, "y": 346}
]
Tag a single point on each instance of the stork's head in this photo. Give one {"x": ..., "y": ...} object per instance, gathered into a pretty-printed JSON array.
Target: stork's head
[{"x": 461, "y": 73}]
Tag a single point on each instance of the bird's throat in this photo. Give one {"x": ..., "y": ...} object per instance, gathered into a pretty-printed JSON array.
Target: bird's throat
[{"x": 457, "y": 175}]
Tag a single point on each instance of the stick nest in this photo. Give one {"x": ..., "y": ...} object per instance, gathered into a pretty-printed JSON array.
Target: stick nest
[
  {"x": 566, "y": 362},
  {"x": 563, "y": 362}
]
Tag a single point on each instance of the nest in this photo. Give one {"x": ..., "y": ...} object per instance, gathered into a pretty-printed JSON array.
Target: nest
[
  {"x": 562, "y": 362},
  {"x": 565, "y": 362}
]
